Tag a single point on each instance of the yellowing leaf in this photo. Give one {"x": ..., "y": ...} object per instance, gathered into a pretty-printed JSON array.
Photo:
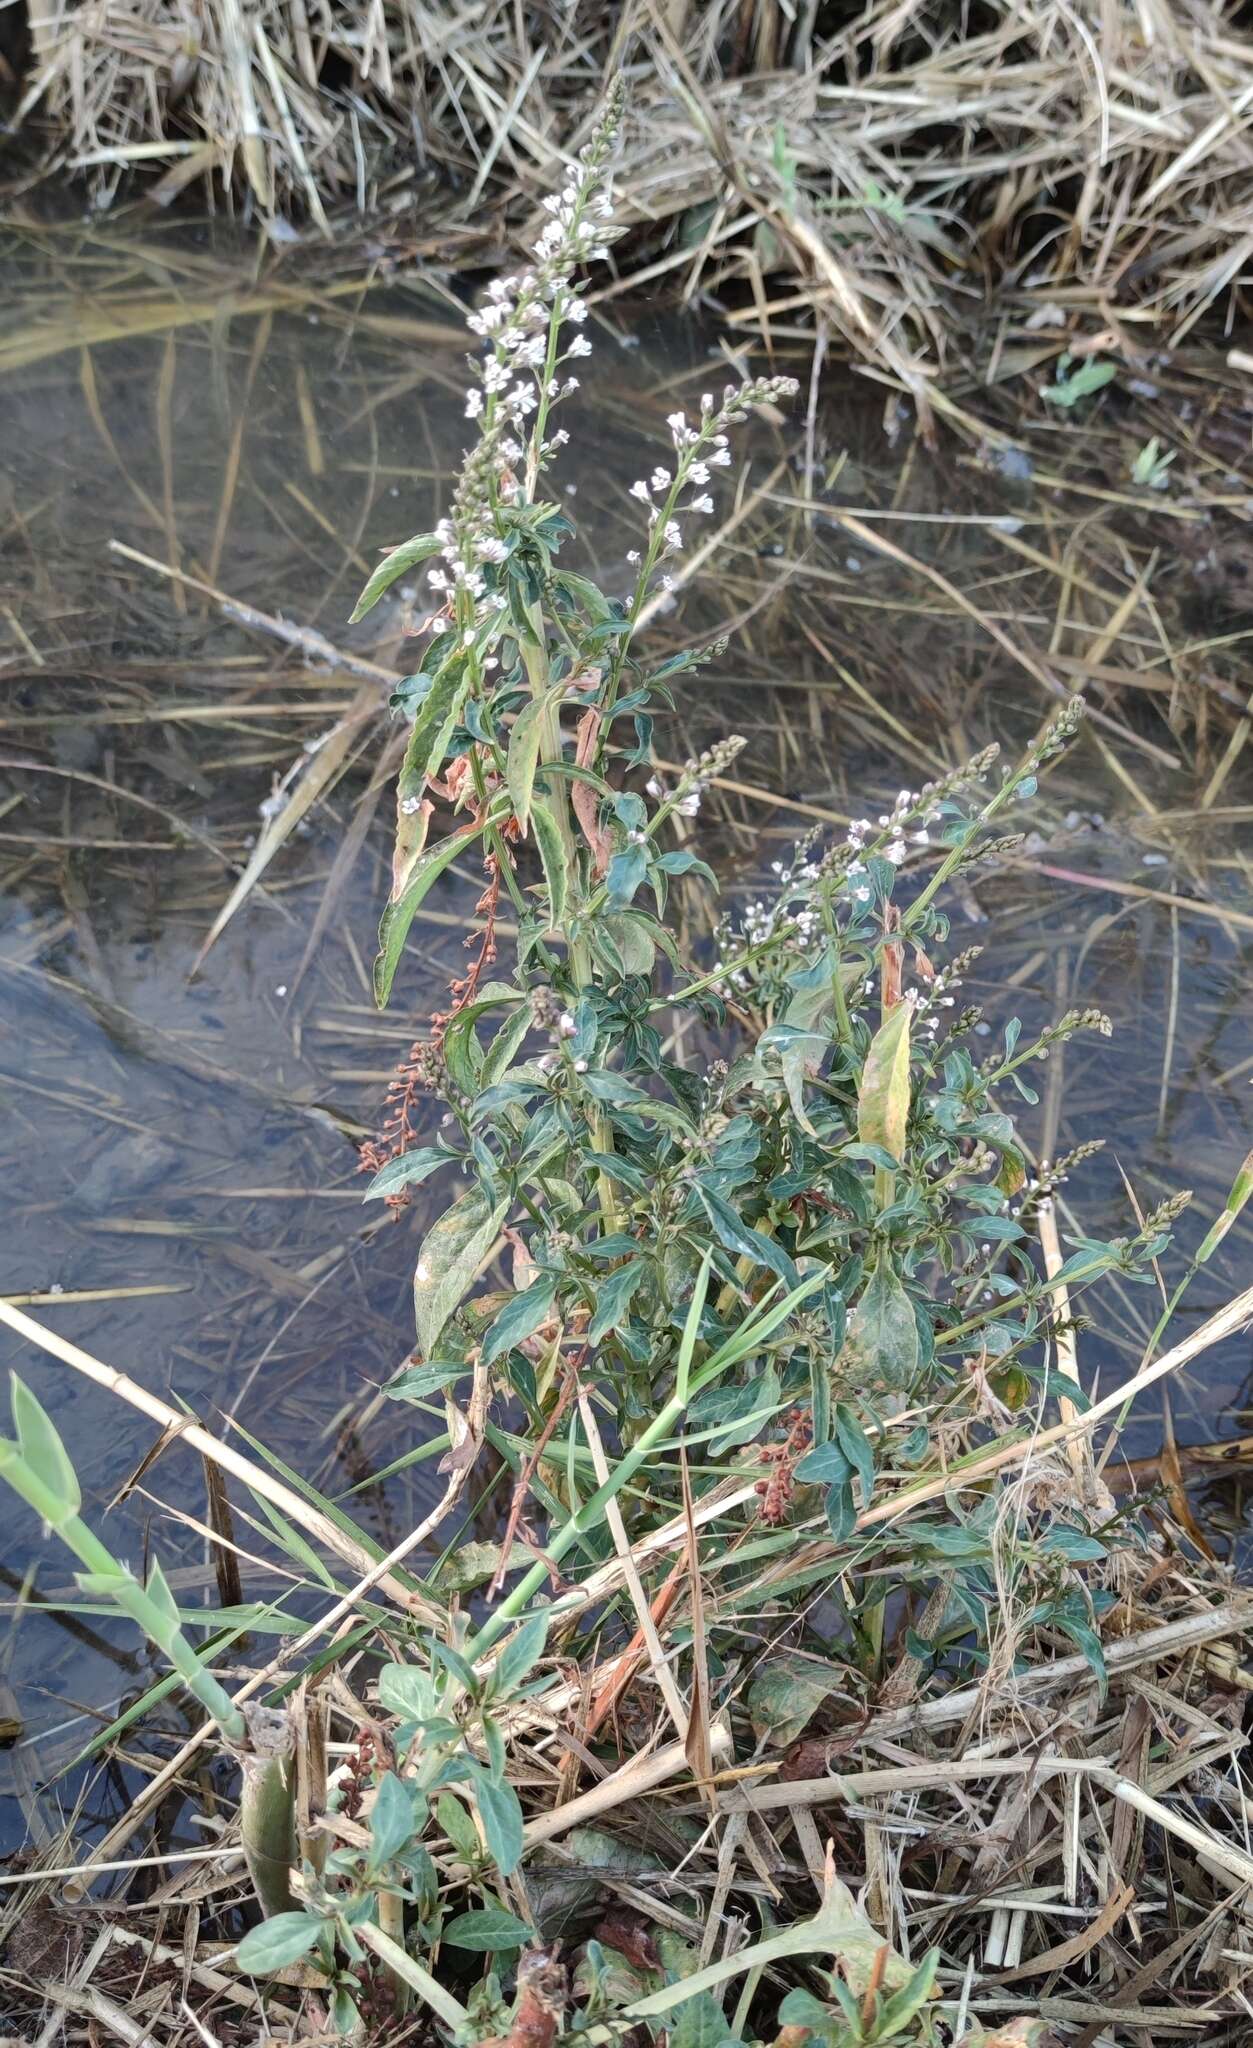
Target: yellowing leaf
[{"x": 883, "y": 1101}]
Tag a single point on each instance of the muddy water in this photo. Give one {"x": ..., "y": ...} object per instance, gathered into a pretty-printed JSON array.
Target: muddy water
[{"x": 179, "y": 1133}]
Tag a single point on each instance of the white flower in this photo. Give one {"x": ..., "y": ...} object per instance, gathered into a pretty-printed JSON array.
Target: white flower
[
  {"x": 580, "y": 346},
  {"x": 688, "y": 805},
  {"x": 639, "y": 489},
  {"x": 702, "y": 504},
  {"x": 895, "y": 852},
  {"x": 474, "y": 403},
  {"x": 437, "y": 625},
  {"x": 677, "y": 423},
  {"x": 659, "y": 480},
  {"x": 566, "y": 1026},
  {"x": 674, "y": 534},
  {"x": 653, "y": 787},
  {"x": 698, "y": 473},
  {"x": 437, "y": 579},
  {"x": 722, "y": 457},
  {"x": 633, "y": 557},
  {"x": 575, "y": 309}
]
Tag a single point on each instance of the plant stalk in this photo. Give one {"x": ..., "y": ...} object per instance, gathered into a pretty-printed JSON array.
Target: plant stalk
[{"x": 267, "y": 1806}]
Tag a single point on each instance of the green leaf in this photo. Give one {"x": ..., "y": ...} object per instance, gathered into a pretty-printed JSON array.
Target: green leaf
[
  {"x": 277, "y": 1942},
  {"x": 553, "y": 857},
  {"x": 459, "y": 1827},
  {"x": 1074, "y": 1544},
  {"x": 801, "y": 2009},
  {"x": 520, "y": 1318},
  {"x": 158, "y": 1591},
  {"x": 1091, "y": 376},
  {"x": 294, "y": 1543},
  {"x": 855, "y": 1445},
  {"x": 743, "y": 1240},
  {"x": 910, "y": 1999},
  {"x": 398, "y": 916},
  {"x": 628, "y": 870},
  {"x": 1085, "y": 1640},
  {"x": 407, "y": 1691},
  {"x": 391, "y": 1820},
  {"x": 452, "y": 1251},
  {"x": 406, "y": 1171},
  {"x": 394, "y": 564},
  {"x": 1242, "y": 1188},
  {"x": 501, "y": 1814},
  {"x": 489, "y": 1930},
  {"x": 422, "y": 1380},
  {"x": 883, "y": 1097},
  {"x": 841, "y": 1510},
  {"x": 825, "y": 1465},
  {"x": 613, "y": 1298},
  {"x": 786, "y": 1694},
  {"x": 699, "y": 2023},
  {"x": 345, "y": 2012},
  {"x": 498, "y": 1058},
  {"x": 43, "y": 1450},
  {"x": 886, "y": 1329},
  {"x": 452, "y": 1660},
  {"x": 523, "y": 758},
  {"x": 521, "y": 1654}
]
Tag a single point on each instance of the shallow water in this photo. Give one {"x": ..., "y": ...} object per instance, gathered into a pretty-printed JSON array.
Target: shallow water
[{"x": 179, "y": 1147}]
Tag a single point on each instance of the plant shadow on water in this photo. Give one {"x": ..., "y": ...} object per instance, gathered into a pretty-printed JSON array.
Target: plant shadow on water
[{"x": 179, "y": 1146}]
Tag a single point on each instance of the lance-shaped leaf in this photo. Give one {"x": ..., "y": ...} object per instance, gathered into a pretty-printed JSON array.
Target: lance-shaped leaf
[
  {"x": 552, "y": 854},
  {"x": 454, "y": 1249},
  {"x": 883, "y": 1099},
  {"x": 44, "y": 1452},
  {"x": 406, "y": 556},
  {"x": 400, "y": 913},
  {"x": 523, "y": 759}
]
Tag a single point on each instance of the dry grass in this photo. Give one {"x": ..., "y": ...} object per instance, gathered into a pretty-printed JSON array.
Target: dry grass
[
  {"x": 884, "y": 176},
  {"x": 1075, "y": 1849}
]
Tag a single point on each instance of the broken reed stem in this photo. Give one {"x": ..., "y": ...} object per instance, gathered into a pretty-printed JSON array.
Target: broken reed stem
[
  {"x": 1079, "y": 1446},
  {"x": 267, "y": 1806}
]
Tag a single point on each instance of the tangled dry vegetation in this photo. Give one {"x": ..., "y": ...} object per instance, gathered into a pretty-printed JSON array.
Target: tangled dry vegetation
[{"x": 879, "y": 173}]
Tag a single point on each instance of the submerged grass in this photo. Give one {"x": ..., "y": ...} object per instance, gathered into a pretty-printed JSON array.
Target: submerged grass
[{"x": 816, "y": 1588}]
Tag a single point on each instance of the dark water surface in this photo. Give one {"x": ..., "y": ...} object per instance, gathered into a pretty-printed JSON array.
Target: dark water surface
[{"x": 178, "y": 1154}]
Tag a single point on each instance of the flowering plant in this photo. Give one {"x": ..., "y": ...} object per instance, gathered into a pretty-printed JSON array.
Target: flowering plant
[
  {"x": 779, "y": 1306},
  {"x": 836, "y": 1216}
]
